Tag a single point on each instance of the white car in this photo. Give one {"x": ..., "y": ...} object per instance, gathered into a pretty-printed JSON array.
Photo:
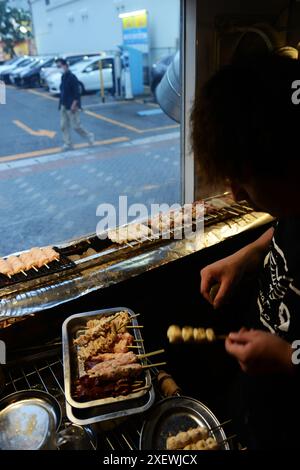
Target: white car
[{"x": 88, "y": 75}]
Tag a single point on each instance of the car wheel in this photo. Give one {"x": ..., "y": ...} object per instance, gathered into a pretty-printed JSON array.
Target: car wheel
[{"x": 81, "y": 88}]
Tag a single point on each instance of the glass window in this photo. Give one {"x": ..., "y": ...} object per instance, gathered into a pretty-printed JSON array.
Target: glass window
[{"x": 126, "y": 138}]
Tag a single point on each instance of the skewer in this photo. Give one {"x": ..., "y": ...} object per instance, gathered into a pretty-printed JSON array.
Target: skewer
[
  {"x": 133, "y": 326},
  {"x": 140, "y": 389},
  {"x": 35, "y": 268},
  {"x": 228, "y": 439},
  {"x": 133, "y": 347},
  {"x": 46, "y": 266},
  {"x": 221, "y": 337},
  {"x": 23, "y": 272},
  {"x": 220, "y": 425},
  {"x": 135, "y": 315},
  {"x": 148, "y": 366},
  {"x": 153, "y": 353},
  {"x": 138, "y": 340}
]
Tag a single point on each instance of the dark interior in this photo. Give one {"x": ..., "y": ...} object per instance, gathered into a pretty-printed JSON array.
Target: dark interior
[{"x": 164, "y": 296}]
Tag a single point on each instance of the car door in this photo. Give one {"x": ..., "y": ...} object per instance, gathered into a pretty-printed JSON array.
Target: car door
[{"x": 91, "y": 77}]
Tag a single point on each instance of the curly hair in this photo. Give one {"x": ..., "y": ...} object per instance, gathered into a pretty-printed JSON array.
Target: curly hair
[{"x": 244, "y": 122}]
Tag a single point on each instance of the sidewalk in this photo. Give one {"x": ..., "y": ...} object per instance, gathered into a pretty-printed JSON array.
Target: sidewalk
[{"x": 49, "y": 199}]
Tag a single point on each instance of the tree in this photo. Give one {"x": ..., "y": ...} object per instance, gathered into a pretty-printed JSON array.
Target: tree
[{"x": 15, "y": 26}]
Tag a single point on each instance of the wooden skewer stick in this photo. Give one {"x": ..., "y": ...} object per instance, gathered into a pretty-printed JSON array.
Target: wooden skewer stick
[
  {"x": 140, "y": 389},
  {"x": 221, "y": 337},
  {"x": 134, "y": 347},
  {"x": 134, "y": 326},
  {"x": 148, "y": 366},
  {"x": 134, "y": 316},
  {"x": 45, "y": 264},
  {"x": 23, "y": 272},
  {"x": 138, "y": 340},
  {"x": 35, "y": 268},
  {"x": 153, "y": 353}
]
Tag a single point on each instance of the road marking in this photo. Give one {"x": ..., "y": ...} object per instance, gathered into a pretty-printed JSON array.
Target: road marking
[
  {"x": 112, "y": 121},
  {"x": 126, "y": 126},
  {"x": 40, "y": 153},
  {"x": 39, "y": 133},
  {"x": 152, "y": 129},
  {"x": 43, "y": 95}
]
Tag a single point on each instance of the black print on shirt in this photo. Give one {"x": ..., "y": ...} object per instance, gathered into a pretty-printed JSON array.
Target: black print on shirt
[{"x": 274, "y": 311}]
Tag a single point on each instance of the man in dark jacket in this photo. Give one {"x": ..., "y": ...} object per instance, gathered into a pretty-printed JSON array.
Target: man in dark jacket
[{"x": 70, "y": 106}]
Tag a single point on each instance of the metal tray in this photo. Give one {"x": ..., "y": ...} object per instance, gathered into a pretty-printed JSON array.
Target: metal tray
[
  {"x": 100, "y": 414},
  {"x": 70, "y": 329},
  {"x": 175, "y": 414}
]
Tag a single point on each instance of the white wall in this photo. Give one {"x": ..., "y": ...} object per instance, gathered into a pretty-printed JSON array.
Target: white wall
[
  {"x": 19, "y": 4},
  {"x": 93, "y": 25}
]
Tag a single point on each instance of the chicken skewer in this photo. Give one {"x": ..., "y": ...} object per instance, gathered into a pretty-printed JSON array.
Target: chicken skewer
[
  {"x": 188, "y": 334},
  {"x": 184, "y": 438},
  {"x": 35, "y": 258}
]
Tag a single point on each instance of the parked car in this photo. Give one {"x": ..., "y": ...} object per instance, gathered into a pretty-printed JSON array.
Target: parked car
[
  {"x": 9, "y": 63},
  {"x": 88, "y": 75},
  {"x": 48, "y": 70},
  {"x": 16, "y": 74},
  {"x": 30, "y": 76},
  {"x": 7, "y": 69},
  {"x": 158, "y": 70}
]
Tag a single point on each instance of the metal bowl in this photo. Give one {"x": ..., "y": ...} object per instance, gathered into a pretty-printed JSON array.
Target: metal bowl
[
  {"x": 29, "y": 420},
  {"x": 174, "y": 414}
]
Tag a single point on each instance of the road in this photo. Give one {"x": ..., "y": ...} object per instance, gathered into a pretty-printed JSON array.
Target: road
[{"x": 47, "y": 196}]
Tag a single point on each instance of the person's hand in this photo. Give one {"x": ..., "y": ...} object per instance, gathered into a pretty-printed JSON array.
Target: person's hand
[
  {"x": 74, "y": 107},
  {"x": 259, "y": 352},
  {"x": 227, "y": 273}
]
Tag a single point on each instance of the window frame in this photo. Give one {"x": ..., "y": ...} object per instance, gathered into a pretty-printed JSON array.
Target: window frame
[{"x": 188, "y": 80}]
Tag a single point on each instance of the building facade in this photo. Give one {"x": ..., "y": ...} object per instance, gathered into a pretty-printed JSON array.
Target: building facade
[{"x": 85, "y": 26}]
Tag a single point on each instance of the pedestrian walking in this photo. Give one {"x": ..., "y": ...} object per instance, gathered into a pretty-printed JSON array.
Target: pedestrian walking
[{"x": 70, "y": 107}]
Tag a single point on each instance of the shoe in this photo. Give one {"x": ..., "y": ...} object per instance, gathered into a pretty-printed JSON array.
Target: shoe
[
  {"x": 91, "y": 139},
  {"x": 66, "y": 148}
]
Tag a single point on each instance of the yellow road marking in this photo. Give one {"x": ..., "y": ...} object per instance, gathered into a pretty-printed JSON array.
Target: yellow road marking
[
  {"x": 170, "y": 126},
  {"x": 39, "y": 133},
  {"x": 43, "y": 95},
  {"x": 112, "y": 121},
  {"x": 40, "y": 153},
  {"x": 126, "y": 126}
]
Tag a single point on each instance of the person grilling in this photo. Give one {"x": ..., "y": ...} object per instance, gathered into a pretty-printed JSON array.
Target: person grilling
[
  {"x": 244, "y": 128},
  {"x": 70, "y": 106}
]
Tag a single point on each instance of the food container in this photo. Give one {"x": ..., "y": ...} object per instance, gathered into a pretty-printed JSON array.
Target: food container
[
  {"x": 114, "y": 413},
  {"x": 104, "y": 408}
]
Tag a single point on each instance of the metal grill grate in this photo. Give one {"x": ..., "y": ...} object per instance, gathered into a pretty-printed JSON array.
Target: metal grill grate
[{"x": 47, "y": 375}]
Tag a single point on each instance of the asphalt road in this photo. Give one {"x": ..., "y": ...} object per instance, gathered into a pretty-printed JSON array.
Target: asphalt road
[{"x": 47, "y": 196}]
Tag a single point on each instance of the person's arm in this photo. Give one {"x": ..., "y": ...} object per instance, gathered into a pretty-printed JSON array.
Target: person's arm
[
  {"x": 228, "y": 271},
  {"x": 75, "y": 93}
]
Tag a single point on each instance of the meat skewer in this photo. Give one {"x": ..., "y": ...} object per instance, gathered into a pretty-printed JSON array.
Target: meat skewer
[
  {"x": 183, "y": 438},
  {"x": 189, "y": 334}
]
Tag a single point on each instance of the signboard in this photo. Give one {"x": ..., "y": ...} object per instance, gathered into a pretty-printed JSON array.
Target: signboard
[{"x": 135, "y": 30}]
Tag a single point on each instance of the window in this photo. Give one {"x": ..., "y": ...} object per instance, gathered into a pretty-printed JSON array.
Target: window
[{"x": 53, "y": 181}]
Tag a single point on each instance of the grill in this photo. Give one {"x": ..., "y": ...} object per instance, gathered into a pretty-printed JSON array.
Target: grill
[
  {"x": 55, "y": 266},
  {"x": 93, "y": 247},
  {"x": 46, "y": 374}
]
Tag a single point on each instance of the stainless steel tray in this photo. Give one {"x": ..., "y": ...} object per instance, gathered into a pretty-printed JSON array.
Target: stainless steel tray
[
  {"x": 175, "y": 414},
  {"x": 70, "y": 329},
  {"x": 102, "y": 414}
]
